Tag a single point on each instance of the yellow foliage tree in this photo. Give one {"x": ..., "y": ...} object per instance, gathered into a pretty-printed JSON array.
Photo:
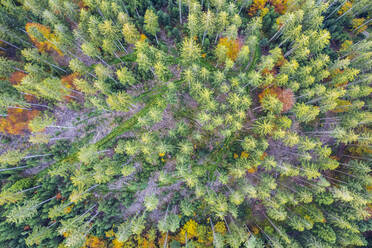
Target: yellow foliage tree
[
  {"x": 117, "y": 244},
  {"x": 256, "y": 6},
  {"x": 94, "y": 242},
  {"x": 191, "y": 228},
  {"x": 345, "y": 7},
  {"x": 279, "y": 5},
  {"x": 358, "y": 25},
  {"x": 342, "y": 106},
  {"x": 220, "y": 227}
]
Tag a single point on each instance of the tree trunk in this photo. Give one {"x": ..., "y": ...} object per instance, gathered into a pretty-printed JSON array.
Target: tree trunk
[
  {"x": 41, "y": 203},
  {"x": 60, "y": 138},
  {"x": 25, "y": 190},
  {"x": 180, "y": 10},
  {"x": 274, "y": 36},
  {"x": 10, "y": 44},
  {"x": 60, "y": 126},
  {"x": 14, "y": 168},
  {"x": 36, "y": 156},
  {"x": 165, "y": 241},
  {"x": 362, "y": 25},
  {"x": 344, "y": 13},
  {"x": 336, "y": 10},
  {"x": 215, "y": 40},
  {"x": 41, "y": 105},
  {"x": 18, "y": 108},
  {"x": 15, "y": 68}
]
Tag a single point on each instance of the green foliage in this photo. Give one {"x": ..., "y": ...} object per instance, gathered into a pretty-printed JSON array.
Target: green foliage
[{"x": 252, "y": 115}]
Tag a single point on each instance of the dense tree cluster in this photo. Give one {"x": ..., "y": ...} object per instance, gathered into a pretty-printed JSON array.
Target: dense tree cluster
[{"x": 210, "y": 123}]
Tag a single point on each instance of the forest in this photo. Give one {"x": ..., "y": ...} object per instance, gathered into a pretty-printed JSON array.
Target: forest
[{"x": 185, "y": 123}]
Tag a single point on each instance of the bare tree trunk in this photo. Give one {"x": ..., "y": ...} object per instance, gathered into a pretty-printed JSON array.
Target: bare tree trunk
[
  {"x": 14, "y": 168},
  {"x": 10, "y": 44},
  {"x": 180, "y": 10},
  {"x": 165, "y": 241},
  {"x": 36, "y": 156},
  {"x": 60, "y": 126}
]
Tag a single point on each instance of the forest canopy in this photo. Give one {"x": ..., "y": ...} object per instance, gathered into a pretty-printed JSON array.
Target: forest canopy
[{"x": 174, "y": 123}]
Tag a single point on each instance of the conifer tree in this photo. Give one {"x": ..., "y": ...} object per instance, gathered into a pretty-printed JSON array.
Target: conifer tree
[{"x": 151, "y": 23}]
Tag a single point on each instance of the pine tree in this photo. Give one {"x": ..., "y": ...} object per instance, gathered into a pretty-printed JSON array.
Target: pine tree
[
  {"x": 38, "y": 235},
  {"x": 151, "y": 202},
  {"x": 192, "y": 25},
  {"x": 119, "y": 102},
  {"x": 190, "y": 51},
  {"x": 305, "y": 113},
  {"x": 125, "y": 76},
  {"x": 130, "y": 33},
  {"x": 7, "y": 67},
  {"x": 39, "y": 123},
  {"x": 88, "y": 154},
  {"x": 21, "y": 213},
  {"x": 124, "y": 232},
  {"x": 151, "y": 23},
  {"x": 208, "y": 21}
]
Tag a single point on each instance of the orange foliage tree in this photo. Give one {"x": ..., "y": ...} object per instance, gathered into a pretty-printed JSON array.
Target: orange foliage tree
[
  {"x": 16, "y": 77},
  {"x": 232, "y": 46},
  {"x": 68, "y": 82},
  {"x": 17, "y": 121},
  {"x": 46, "y": 44},
  {"x": 280, "y": 5},
  {"x": 286, "y": 96}
]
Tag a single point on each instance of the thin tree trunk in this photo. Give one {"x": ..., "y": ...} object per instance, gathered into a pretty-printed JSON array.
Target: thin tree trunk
[
  {"x": 84, "y": 213},
  {"x": 215, "y": 40},
  {"x": 281, "y": 43},
  {"x": 15, "y": 68},
  {"x": 18, "y": 108},
  {"x": 41, "y": 203},
  {"x": 36, "y": 156},
  {"x": 14, "y": 168},
  {"x": 10, "y": 44},
  {"x": 214, "y": 235},
  {"x": 357, "y": 28},
  {"x": 344, "y": 13},
  {"x": 41, "y": 105},
  {"x": 277, "y": 32},
  {"x": 180, "y": 10},
  {"x": 25, "y": 190},
  {"x": 60, "y": 126},
  {"x": 75, "y": 91},
  {"x": 165, "y": 241},
  {"x": 60, "y": 138},
  {"x": 336, "y": 10}
]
